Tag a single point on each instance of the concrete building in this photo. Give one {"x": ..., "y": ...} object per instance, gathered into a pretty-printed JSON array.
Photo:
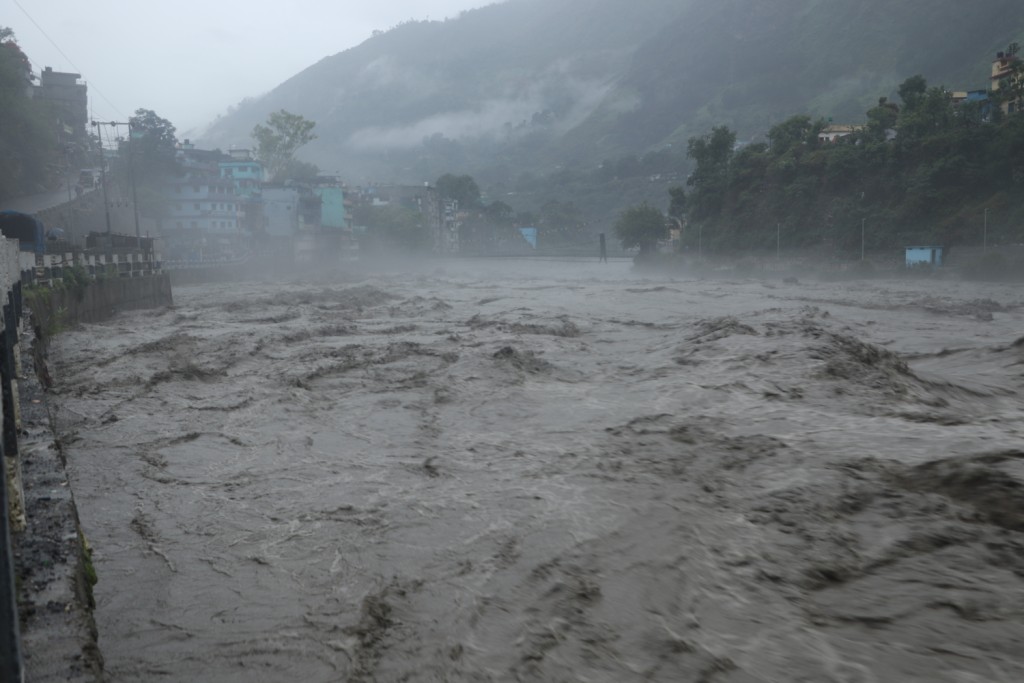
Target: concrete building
[
  {"x": 69, "y": 96},
  {"x": 281, "y": 210},
  {"x": 1005, "y": 75},
  {"x": 203, "y": 217},
  {"x": 246, "y": 175},
  {"x": 833, "y": 132}
]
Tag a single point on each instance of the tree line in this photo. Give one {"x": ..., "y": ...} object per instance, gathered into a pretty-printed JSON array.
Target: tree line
[{"x": 922, "y": 170}]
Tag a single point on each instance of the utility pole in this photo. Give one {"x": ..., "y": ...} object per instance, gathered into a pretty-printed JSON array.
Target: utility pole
[
  {"x": 103, "y": 183},
  {"x": 861, "y": 239},
  {"x": 778, "y": 241},
  {"x": 131, "y": 175},
  {"x": 131, "y": 171}
]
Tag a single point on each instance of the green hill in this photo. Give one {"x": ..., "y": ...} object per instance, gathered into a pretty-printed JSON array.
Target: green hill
[{"x": 531, "y": 96}]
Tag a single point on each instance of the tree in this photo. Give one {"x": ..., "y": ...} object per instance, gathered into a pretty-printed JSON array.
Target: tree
[
  {"x": 152, "y": 146},
  {"x": 277, "y": 142},
  {"x": 794, "y": 131},
  {"x": 28, "y": 140},
  {"x": 499, "y": 213},
  {"x": 641, "y": 226},
  {"x": 713, "y": 154},
  {"x": 912, "y": 89},
  {"x": 677, "y": 204},
  {"x": 927, "y": 113},
  {"x": 882, "y": 119},
  {"x": 462, "y": 189}
]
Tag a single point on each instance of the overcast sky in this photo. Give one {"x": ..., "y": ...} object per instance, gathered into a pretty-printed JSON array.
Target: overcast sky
[{"x": 189, "y": 60}]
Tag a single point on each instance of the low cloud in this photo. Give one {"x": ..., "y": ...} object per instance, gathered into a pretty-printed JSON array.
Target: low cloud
[{"x": 558, "y": 99}]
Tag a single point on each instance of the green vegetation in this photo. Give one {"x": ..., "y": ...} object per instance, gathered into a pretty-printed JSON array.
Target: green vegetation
[
  {"x": 277, "y": 142},
  {"x": 921, "y": 172},
  {"x": 152, "y": 146},
  {"x": 28, "y": 138},
  {"x": 51, "y": 317},
  {"x": 641, "y": 227},
  {"x": 592, "y": 101}
]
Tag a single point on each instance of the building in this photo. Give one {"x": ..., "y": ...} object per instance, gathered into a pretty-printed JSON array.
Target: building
[
  {"x": 204, "y": 215},
  {"x": 959, "y": 98},
  {"x": 923, "y": 256},
  {"x": 281, "y": 212},
  {"x": 246, "y": 175},
  {"x": 69, "y": 97},
  {"x": 833, "y": 132},
  {"x": 245, "y": 172},
  {"x": 1007, "y": 74},
  {"x": 333, "y": 215}
]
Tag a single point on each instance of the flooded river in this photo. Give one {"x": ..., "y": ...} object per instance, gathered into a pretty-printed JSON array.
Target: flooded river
[{"x": 554, "y": 471}]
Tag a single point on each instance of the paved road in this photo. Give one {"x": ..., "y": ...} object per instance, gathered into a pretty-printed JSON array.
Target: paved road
[{"x": 38, "y": 202}]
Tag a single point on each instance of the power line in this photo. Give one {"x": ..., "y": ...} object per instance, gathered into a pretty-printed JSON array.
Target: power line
[{"x": 73, "y": 65}]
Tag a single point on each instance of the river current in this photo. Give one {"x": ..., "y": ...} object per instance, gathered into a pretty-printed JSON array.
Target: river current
[{"x": 518, "y": 470}]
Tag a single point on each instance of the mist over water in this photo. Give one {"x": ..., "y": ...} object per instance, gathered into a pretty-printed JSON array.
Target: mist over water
[{"x": 500, "y": 470}]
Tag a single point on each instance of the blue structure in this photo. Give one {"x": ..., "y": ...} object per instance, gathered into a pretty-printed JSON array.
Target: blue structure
[
  {"x": 28, "y": 230},
  {"x": 332, "y": 207},
  {"x": 924, "y": 256},
  {"x": 530, "y": 235}
]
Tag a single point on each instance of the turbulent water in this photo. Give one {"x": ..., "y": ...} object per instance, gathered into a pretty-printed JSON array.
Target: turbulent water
[{"x": 554, "y": 471}]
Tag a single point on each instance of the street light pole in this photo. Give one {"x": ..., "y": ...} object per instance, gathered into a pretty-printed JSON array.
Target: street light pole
[
  {"x": 861, "y": 239},
  {"x": 778, "y": 241}
]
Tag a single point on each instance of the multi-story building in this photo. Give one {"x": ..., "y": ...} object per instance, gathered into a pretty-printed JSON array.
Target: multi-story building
[
  {"x": 203, "y": 217},
  {"x": 68, "y": 95},
  {"x": 246, "y": 175},
  {"x": 1006, "y": 76}
]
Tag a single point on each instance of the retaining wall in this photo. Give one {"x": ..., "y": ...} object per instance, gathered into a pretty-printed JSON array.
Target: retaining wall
[
  {"x": 47, "y": 630},
  {"x": 98, "y": 300}
]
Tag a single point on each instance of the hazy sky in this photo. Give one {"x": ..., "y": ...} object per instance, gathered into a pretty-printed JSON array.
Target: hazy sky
[{"x": 189, "y": 60}]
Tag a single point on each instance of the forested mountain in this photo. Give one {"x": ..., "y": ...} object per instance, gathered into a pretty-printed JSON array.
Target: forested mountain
[{"x": 531, "y": 90}]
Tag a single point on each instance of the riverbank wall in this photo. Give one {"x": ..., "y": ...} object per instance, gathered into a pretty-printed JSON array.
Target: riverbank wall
[{"x": 47, "y": 630}]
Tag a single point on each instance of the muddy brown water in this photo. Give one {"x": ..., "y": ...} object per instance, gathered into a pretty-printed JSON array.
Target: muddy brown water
[{"x": 554, "y": 471}]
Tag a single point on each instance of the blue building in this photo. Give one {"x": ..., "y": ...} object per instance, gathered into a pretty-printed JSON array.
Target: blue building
[{"x": 923, "y": 256}]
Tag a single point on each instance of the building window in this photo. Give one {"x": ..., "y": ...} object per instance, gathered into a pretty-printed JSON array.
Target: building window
[
  {"x": 196, "y": 205},
  {"x": 177, "y": 189},
  {"x": 195, "y": 224},
  {"x": 180, "y": 225}
]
